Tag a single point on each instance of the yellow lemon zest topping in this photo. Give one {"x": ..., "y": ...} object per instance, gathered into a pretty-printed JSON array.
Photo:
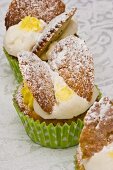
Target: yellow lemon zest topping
[
  {"x": 63, "y": 94},
  {"x": 30, "y": 24},
  {"x": 110, "y": 154},
  {"x": 27, "y": 96}
]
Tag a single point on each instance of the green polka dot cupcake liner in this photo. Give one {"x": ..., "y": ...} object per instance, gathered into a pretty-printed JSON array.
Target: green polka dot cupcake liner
[
  {"x": 14, "y": 66},
  {"x": 49, "y": 135}
]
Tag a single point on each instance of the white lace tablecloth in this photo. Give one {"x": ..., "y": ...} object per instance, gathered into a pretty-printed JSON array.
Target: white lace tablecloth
[{"x": 17, "y": 151}]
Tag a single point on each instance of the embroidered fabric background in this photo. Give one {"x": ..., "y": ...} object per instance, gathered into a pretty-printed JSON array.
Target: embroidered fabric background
[{"x": 17, "y": 151}]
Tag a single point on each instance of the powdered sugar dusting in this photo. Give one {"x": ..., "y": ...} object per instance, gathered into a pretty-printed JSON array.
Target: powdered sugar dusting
[
  {"x": 37, "y": 76},
  {"x": 74, "y": 62},
  {"x": 52, "y": 31},
  {"x": 98, "y": 127},
  {"x": 41, "y": 9},
  {"x": 100, "y": 111}
]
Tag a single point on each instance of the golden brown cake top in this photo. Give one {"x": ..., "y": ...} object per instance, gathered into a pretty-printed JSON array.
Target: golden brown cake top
[
  {"x": 52, "y": 31},
  {"x": 73, "y": 61},
  {"x": 41, "y": 9},
  {"x": 98, "y": 128},
  {"x": 36, "y": 74}
]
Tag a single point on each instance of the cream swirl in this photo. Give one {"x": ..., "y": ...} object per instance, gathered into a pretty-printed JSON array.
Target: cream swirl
[{"x": 23, "y": 36}]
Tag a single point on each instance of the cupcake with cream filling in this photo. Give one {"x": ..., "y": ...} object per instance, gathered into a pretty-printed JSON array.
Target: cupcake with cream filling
[
  {"x": 56, "y": 95},
  {"x": 32, "y": 34},
  {"x": 95, "y": 150}
]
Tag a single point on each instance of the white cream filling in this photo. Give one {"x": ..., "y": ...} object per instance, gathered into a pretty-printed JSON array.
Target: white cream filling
[
  {"x": 102, "y": 160},
  {"x": 18, "y": 40},
  {"x": 71, "y": 29},
  {"x": 73, "y": 106}
]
